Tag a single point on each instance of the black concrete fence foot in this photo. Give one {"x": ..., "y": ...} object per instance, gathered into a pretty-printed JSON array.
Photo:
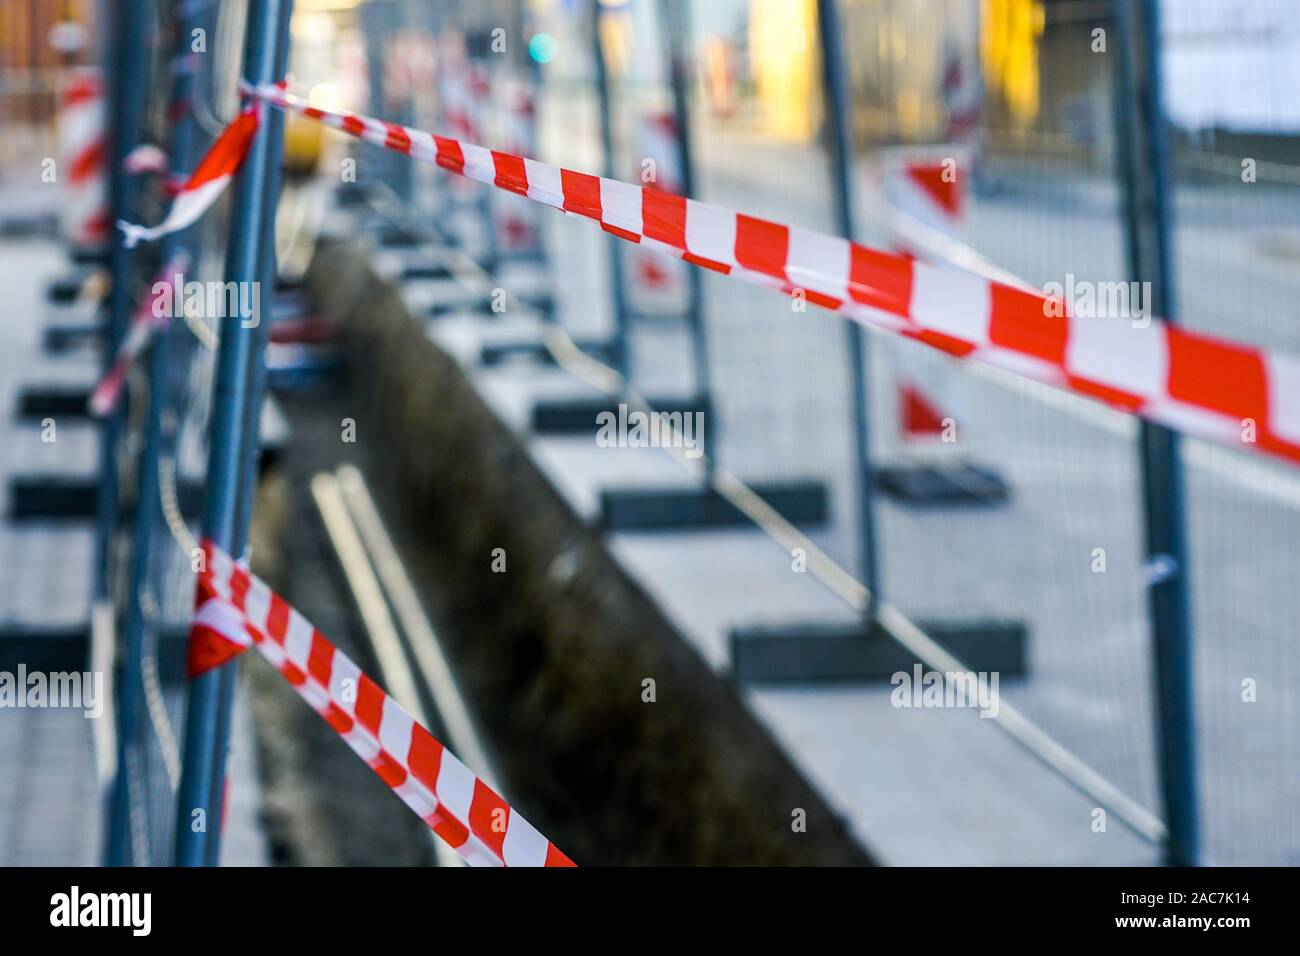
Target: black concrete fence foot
[
  {"x": 497, "y": 353},
  {"x": 62, "y": 497},
  {"x": 802, "y": 503},
  {"x": 37, "y": 402},
  {"x": 573, "y": 416},
  {"x": 813, "y": 653},
  {"x": 959, "y": 484}
]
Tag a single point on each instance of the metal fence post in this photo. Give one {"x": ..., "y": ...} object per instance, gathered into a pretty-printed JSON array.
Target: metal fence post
[
  {"x": 252, "y": 432},
  {"x": 1145, "y": 173},
  {"x": 127, "y": 96},
  {"x": 230, "y": 453},
  {"x": 129, "y": 89},
  {"x": 676, "y": 29},
  {"x": 380, "y": 19},
  {"x": 840, "y": 133},
  {"x": 619, "y": 346},
  {"x": 274, "y": 124}
]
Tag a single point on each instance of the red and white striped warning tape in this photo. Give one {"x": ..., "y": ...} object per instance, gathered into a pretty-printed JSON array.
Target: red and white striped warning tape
[
  {"x": 149, "y": 318},
  {"x": 236, "y": 610},
  {"x": 206, "y": 183},
  {"x": 1195, "y": 383},
  {"x": 1231, "y": 393}
]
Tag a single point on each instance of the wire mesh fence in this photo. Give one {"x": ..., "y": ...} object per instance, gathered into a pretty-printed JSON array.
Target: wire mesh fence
[
  {"x": 161, "y": 455},
  {"x": 1018, "y": 99},
  {"x": 1034, "y": 198},
  {"x": 984, "y": 139},
  {"x": 1230, "y": 81}
]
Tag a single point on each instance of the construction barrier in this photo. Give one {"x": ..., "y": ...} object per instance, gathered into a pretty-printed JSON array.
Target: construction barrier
[
  {"x": 205, "y": 185},
  {"x": 1206, "y": 386}
]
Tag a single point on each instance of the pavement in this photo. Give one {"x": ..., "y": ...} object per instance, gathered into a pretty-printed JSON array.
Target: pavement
[{"x": 49, "y": 802}]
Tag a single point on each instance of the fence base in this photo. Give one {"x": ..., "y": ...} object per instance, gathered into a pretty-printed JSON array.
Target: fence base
[
  {"x": 574, "y": 416},
  {"x": 66, "y": 647},
  {"x": 948, "y": 484},
  {"x": 802, "y": 503},
  {"x": 67, "y": 289},
  {"x": 497, "y": 353},
  {"x": 60, "y": 337},
  {"x": 861, "y": 652},
  {"x": 395, "y": 236},
  {"x": 352, "y": 194},
  {"x": 462, "y": 300},
  {"x": 42, "y": 647},
  {"x": 90, "y": 255},
  {"x": 398, "y": 236},
  {"x": 527, "y": 257},
  {"x": 24, "y": 226},
  {"x": 54, "y": 401},
  {"x": 421, "y": 269},
  {"x": 64, "y": 497}
]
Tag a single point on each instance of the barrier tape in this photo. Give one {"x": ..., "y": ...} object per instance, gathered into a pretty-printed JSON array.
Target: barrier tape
[
  {"x": 146, "y": 322},
  {"x": 236, "y": 610},
  {"x": 1202, "y": 385},
  {"x": 205, "y": 185},
  {"x": 1205, "y": 386}
]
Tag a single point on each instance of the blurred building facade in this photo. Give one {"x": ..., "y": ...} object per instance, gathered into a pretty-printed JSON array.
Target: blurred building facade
[{"x": 38, "y": 40}]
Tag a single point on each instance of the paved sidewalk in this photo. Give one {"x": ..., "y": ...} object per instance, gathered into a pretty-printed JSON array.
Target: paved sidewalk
[
  {"x": 49, "y": 793},
  {"x": 51, "y": 786}
]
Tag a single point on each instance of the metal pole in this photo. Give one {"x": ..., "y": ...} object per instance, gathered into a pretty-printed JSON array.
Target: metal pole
[
  {"x": 129, "y": 88},
  {"x": 491, "y": 245},
  {"x": 840, "y": 133},
  {"x": 618, "y": 292},
  {"x": 380, "y": 19},
  {"x": 274, "y": 123},
  {"x": 181, "y": 146},
  {"x": 676, "y": 29},
  {"x": 252, "y": 431},
  {"x": 398, "y": 102},
  {"x": 1144, "y": 166},
  {"x": 373, "y": 23},
  {"x": 229, "y": 456}
]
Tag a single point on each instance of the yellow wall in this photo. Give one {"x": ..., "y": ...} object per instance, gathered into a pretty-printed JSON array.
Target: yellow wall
[
  {"x": 1009, "y": 49},
  {"x": 785, "y": 66}
]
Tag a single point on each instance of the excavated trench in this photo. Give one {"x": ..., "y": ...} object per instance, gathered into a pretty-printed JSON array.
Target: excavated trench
[{"x": 552, "y": 653}]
